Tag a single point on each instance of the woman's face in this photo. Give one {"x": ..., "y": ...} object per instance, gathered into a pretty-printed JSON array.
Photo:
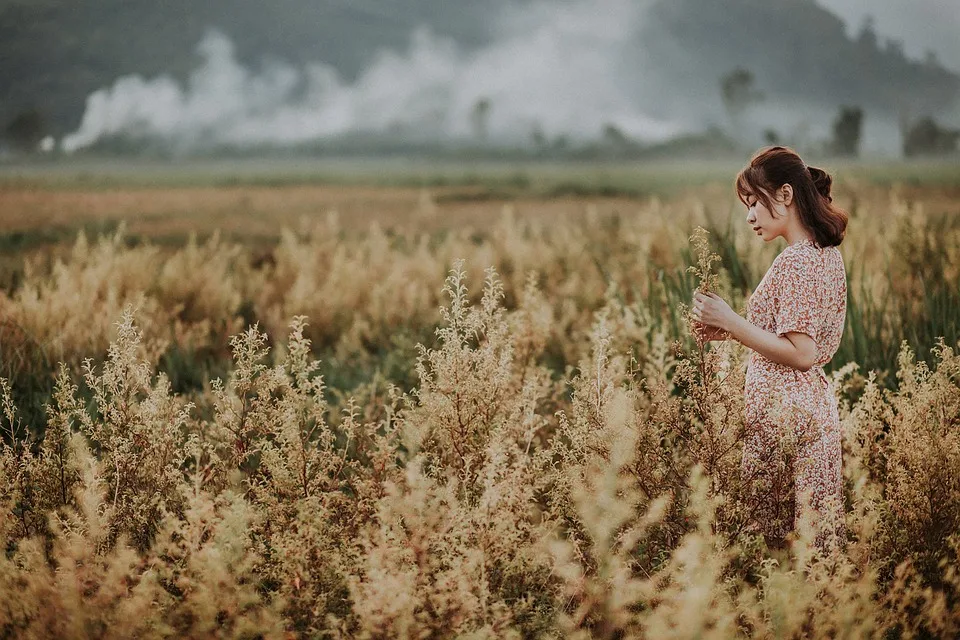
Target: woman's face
[{"x": 768, "y": 225}]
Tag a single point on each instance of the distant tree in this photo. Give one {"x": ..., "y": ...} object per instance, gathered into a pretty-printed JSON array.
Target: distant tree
[
  {"x": 847, "y": 130},
  {"x": 738, "y": 93},
  {"x": 926, "y": 137},
  {"x": 894, "y": 47},
  {"x": 612, "y": 135},
  {"x": 538, "y": 137},
  {"x": 931, "y": 59},
  {"x": 479, "y": 118},
  {"x": 771, "y": 137},
  {"x": 26, "y": 129},
  {"x": 867, "y": 38}
]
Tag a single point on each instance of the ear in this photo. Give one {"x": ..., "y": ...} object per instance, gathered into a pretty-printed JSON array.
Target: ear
[{"x": 785, "y": 194}]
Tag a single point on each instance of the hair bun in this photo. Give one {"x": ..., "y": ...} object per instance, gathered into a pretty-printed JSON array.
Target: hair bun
[{"x": 822, "y": 181}]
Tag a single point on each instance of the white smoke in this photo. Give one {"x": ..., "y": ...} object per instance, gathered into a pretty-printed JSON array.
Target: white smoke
[{"x": 555, "y": 69}]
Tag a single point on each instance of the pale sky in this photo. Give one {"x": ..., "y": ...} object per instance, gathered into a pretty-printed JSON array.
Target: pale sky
[{"x": 920, "y": 24}]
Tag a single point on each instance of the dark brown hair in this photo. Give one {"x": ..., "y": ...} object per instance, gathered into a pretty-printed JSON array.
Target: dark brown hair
[{"x": 772, "y": 167}]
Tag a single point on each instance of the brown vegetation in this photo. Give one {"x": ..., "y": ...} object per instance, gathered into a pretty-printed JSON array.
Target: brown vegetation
[{"x": 557, "y": 457}]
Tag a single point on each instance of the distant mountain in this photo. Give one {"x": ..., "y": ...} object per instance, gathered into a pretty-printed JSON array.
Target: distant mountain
[
  {"x": 797, "y": 51},
  {"x": 54, "y": 53}
]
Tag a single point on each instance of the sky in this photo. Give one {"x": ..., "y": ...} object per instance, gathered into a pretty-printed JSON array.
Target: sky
[{"x": 920, "y": 24}]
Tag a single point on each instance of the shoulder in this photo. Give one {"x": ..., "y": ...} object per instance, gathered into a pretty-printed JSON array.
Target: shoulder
[
  {"x": 800, "y": 257},
  {"x": 835, "y": 268}
]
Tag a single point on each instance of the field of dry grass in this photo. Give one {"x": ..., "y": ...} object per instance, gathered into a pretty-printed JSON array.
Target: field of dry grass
[
  {"x": 260, "y": 212},
  {"x": 451, "y": 409}
]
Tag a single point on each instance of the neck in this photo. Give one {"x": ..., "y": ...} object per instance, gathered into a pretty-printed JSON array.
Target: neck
[
  {"x": 798, "y": 238},
  {"x": 795, "y": 233}
]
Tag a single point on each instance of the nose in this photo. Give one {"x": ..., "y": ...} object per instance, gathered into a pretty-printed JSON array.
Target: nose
[{"x": 750, "y": 217}]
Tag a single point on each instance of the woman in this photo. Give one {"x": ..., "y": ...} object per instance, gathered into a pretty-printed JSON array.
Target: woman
[{"x": 794, "y": 323}]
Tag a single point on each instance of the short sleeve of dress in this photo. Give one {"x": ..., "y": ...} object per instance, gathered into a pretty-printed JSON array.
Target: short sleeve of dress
[{"x": 796, "y": 302}]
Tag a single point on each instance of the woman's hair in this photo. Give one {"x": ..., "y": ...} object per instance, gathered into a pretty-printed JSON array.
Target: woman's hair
[{"x": 772, "y": 167}]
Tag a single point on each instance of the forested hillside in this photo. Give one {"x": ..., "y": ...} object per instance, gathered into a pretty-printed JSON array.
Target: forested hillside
[
  {"x": 795, "y": 49},
  {"x": 54, "y": 53}
]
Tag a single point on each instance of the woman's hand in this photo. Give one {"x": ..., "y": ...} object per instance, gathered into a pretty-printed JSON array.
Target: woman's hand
[{"x": 711, "y": 310}]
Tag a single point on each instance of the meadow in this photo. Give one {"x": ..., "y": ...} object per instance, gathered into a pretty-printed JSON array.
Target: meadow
[{"x": 443, "y": 402}]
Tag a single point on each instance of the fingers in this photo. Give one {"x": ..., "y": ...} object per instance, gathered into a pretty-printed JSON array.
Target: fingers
[
  {"x": 696, "y": 310},
  {"x": 705, "y": 304},
  {"x": 700, "y": 302}
]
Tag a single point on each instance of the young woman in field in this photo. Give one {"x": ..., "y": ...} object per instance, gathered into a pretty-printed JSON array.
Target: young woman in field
[{"x": 794, "y": 323}]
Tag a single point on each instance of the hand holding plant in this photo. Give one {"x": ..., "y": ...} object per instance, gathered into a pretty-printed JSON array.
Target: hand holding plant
[{"x": 711, "y": 311}]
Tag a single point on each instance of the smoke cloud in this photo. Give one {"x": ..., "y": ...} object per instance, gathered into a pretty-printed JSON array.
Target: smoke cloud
[{"x": 556, "y": 69}]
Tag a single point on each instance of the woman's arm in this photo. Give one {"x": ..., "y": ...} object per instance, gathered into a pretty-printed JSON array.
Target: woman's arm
[{"x": 793, "y": 349}]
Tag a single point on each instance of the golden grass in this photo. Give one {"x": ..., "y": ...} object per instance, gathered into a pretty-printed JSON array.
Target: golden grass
[
  {"x": 511, "y": 431},
  {"x": 251, "y": 212}
]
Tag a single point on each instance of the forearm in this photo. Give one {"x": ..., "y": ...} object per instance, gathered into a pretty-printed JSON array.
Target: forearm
[{"x": 775, "y": 348}]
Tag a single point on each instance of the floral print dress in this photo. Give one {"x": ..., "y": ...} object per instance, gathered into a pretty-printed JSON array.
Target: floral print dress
[{"x": 792, "y": 451}]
